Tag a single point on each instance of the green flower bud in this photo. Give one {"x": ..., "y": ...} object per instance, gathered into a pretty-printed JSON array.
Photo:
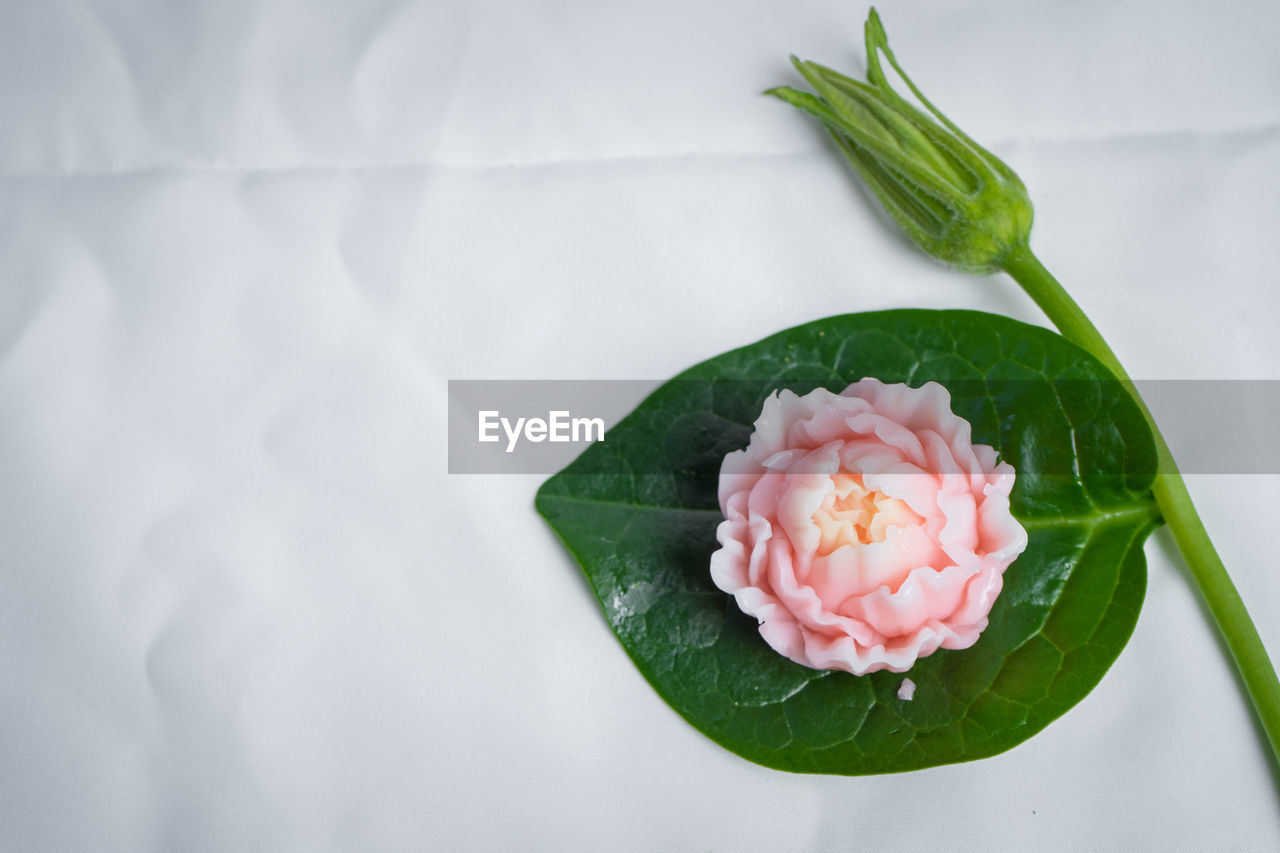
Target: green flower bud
[{"x": 954, "y": 198}]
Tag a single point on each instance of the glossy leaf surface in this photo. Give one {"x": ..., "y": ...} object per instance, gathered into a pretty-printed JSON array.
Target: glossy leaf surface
[{"x": 639, "y": 512}]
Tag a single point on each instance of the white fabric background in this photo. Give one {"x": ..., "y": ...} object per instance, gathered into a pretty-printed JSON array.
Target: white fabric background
[{"x": 243, "y": 245}]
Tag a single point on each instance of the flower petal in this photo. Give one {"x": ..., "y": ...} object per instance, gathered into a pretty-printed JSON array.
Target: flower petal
[{"x": 865, "y": 530}]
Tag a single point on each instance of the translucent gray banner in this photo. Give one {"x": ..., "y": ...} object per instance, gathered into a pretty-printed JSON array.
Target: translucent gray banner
[{"x": 499, "y": 426}]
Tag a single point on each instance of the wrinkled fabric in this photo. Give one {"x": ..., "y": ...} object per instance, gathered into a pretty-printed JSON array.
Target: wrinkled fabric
[{"x": 243, "y": 247}]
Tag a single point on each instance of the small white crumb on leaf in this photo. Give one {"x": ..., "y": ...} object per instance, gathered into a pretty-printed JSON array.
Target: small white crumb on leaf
[{"x": 906, "y": 690}]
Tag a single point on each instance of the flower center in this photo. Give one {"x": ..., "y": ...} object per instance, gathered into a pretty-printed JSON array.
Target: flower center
[{"x": 852, "y": 514}]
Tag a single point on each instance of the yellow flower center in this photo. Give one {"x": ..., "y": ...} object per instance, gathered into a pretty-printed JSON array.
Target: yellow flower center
[{"x": 854, "y": 515}]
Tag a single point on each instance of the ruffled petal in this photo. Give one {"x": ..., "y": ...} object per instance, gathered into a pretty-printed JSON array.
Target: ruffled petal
[{"x": 865, "y": 530}]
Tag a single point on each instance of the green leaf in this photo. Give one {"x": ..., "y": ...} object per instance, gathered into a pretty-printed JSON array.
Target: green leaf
[{"x": 639, "y": 513}]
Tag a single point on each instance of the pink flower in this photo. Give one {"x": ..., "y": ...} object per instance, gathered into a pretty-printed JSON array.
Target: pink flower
[{"x": 865, "y": 530}]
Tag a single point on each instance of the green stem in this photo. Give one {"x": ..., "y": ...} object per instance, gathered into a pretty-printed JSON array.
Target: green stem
[{"x": 1170, "y": 490}]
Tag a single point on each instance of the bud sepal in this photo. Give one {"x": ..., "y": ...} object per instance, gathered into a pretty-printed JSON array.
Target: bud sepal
[{"x": 956, "y": 200}]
